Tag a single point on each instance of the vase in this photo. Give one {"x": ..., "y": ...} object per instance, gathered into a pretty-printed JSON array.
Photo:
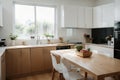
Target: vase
[
  {"x": 13, "y": 43},
  {"x": 109, "y": 43}
]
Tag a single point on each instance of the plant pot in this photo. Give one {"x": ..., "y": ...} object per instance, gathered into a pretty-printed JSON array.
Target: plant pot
[
  {"x": 109, "y": 43},
  {"x": 13, "y": 42}
]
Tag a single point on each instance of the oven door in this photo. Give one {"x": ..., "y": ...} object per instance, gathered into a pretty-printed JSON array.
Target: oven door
[
  {"x": 117, "y": 53},
  {"x": 117, "y": 40},
  {"x": 62, "y": 47}
]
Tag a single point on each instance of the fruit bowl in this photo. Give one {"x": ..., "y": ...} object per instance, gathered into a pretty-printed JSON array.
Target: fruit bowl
[{"x": 84, "y": 53}]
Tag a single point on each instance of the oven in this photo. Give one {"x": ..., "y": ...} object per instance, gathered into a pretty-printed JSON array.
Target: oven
[{"x": 63, "y": 47}]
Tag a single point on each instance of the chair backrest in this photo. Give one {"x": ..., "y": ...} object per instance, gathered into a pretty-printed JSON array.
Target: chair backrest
[
  {"x": 65, "y": 69},
  {"x": 56, "y": 61}
]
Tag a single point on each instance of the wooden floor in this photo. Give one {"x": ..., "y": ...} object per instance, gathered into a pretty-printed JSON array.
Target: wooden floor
[{"x": 45, "y": 76}]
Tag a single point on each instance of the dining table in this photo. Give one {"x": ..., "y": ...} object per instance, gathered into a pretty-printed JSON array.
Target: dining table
[{"x": 98, "y": 65}]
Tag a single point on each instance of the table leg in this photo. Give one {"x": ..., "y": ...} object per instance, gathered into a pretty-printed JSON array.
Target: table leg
[
  {"x": 85, "y": 74},
  {"x": 85, "y": 78},
  {"x": 99, "y": 78}
]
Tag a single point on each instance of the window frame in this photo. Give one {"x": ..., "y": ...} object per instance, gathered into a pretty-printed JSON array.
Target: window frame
[{"x": 36, "y": 28}]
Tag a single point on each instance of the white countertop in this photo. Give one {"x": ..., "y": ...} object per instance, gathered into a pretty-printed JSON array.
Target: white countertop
[
  {"x": 102, "y": 45},
  {"x": 41, "y": 45},
  {"x": 2, "y": 49}
]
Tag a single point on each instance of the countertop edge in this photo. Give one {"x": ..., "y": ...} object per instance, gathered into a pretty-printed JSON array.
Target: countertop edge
[
  {"x": 100, "y": 45},
  {"x": 2, "y": 49}
]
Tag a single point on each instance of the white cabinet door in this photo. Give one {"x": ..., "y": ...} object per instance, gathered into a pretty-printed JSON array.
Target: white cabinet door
[
  {"x": 69, "y": 16},
  {"x": 97, "y": 16},
  {"x": 1, "y": 21},
  {"x": 104, "y": 16},
  {"x": 117, "y": 10},
  {"x": 76, "y": 17},
  {"x": 81, "y": 17},
  {"x": 88, "y": 17},
  {"x": 108, "y": 15}
]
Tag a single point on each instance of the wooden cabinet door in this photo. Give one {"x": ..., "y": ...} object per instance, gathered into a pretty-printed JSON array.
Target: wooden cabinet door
[
  {"x": 13, "y": 62},
  {"x": 37, "y": 60},
  {"x": 47, "y": 58},
  {"x": 17, "y": 62},
  {"x": 25, "y": 61},
  {"x": 3, "y": 67}
]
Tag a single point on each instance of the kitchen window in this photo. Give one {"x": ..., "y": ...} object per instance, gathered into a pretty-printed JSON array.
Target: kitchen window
[{"x": 34, "y": 21}]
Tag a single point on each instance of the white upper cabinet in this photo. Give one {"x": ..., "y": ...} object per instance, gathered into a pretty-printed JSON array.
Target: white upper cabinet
[
  {"x": 108, "y": 15},
  {"x": 76, "y": 17},
  {"x": 81, "y": 17},
  {"x": 103, "y": 16},
  {"x": 85, "y": 17},
  {"x": 97, "y": 16},
  {"x": 88, "y": 17},
  {"x": 1, "y": 16},
  {"x": 117, "y": 10},
  {"x": 69, "y": 16}
]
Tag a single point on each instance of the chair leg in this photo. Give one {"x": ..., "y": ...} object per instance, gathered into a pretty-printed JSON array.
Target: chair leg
[
  {"x": 53, "y": 74},
  {"x": 117, "y": 77},
  {"x": 86, "y": 75},
  {"x": 60, "y": 76}
]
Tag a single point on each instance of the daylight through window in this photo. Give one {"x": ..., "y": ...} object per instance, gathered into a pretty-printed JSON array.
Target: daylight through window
[{"x": 34, "y": 21}]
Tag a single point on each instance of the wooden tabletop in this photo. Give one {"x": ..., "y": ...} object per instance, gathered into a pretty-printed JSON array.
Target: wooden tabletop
[{"x": 98, "y": 65}]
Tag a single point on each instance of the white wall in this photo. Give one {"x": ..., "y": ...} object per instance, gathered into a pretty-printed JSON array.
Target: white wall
[
  {"x": 8, "y": 17},
  {"x": 101, "y": 2}
]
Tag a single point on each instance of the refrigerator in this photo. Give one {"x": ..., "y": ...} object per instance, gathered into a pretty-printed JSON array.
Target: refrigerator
[{"x": 117, "y": 40}]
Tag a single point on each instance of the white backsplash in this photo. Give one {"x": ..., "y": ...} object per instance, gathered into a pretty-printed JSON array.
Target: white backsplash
[{"x": 74, "y": 35}]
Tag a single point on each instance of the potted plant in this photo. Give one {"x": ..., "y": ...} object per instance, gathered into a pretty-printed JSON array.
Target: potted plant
[
  {"x": 79, "y": 47},
  {"x": 87, "y": 37},
  {"x": 108, "y": 38},
  {"x": 13, "y": 38},
  {"x": 48, "y": 36}
]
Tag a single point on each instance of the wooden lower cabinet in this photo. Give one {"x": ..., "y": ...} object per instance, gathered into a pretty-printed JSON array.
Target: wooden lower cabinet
[
  {"x": 37, "y": 60},
  {"x": 3, "y": 67},
  {"x": 21, "y": 61},
  {"x": 47, "y": 58},
  {"x": 41, "y": 59},
  {"x": 13, "y": 62},
  {"x": 17, "y": 62},
  {"x": 25, "y": 61}
]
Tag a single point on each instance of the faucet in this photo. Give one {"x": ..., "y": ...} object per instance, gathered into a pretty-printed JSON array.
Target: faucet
[{"x": 38, "y": 40}]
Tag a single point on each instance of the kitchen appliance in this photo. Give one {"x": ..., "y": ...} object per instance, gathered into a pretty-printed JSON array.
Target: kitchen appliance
[
  {"x": 117, "y": 40},
  {"x": 67, "y": 46},
  {"x": 2, "y": 42},
  {"x": 75, "y": 42},
  {"x": 62, "y": 47}
]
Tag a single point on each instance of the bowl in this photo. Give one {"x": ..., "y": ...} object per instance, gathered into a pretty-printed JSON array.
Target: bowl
[{"x": 84, "y": 53}]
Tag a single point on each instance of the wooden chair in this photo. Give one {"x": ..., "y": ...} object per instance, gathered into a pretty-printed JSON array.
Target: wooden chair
[
  {"x": 63, "y": 68},
  {"x": 56, "y": 66}
]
